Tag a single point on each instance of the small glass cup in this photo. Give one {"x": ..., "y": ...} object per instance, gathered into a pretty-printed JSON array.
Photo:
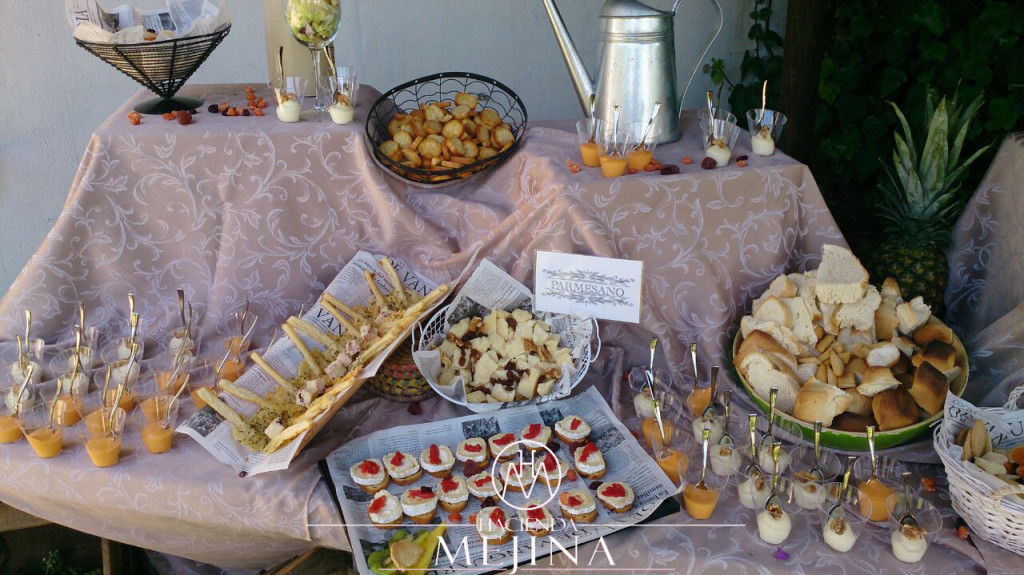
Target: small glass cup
[
  {"x": 288, "y": 92},
  {"x": 716, "y": 424},
  {"x": 671, "y": 419},
  {"x": 842, "y": 534},
  {"x": 233, "y": 332},
  {"x": 121, "y": 373},
  {"x": 773, "y": 120},
  {"x": 774, "y": 526},
  {"x": 68, "y": 399},
  {"x": 909, "y": 544},
  {"x": 590, "y": 149},
  {"x": 158, "y": 416},
  {"x": 44, "y": 433},
  {"x": 806, "y": 487},
  {"x": 121, "y": 348},
  {"x": 764, "y": 457},
  {"x": 640, "y": 154},
  {"x": 641, "y": 392},
  {"x": 10, "y": 428},
  {"x": 724, "y": 129},
  {"x": 674, "y": 459},
  {"x": 726, "y": 460},
  {"x": 700, "y": 500},
  {"x": 699, "y": 398},
  {"x": 64, "y": 361},
  {"x": 32, "y": 355},
  {"x": 889, "y": 475},
  {"x": 102, "y": 439},
  {"x": 613, "y": 147},
  {"x": 753, "y": 487}
]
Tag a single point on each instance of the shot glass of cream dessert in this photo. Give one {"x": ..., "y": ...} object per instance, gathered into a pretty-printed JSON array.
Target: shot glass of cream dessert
[
  {"x": 774, "y": 514},
  {"x": 806, "y": 483},
  {"x": 765, "y": 130},
  {"x": 910, "y": 543},
  {"x": 288, "y": 92},
  {"x": 843, "y": 515}
]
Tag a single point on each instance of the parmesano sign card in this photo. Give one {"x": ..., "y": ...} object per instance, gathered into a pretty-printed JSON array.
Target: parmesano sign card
[{"x": 588, "y": 286}]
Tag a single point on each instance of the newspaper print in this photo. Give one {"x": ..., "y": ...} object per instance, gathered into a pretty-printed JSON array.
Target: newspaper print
[{"x": 463, "y": 551}]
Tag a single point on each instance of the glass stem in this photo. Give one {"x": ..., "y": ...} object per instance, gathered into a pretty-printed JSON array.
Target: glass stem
[{"x": 320, "y": 103}]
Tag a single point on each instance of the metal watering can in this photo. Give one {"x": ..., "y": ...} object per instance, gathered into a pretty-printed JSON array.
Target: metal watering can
[{"x": 637, "y": 64}]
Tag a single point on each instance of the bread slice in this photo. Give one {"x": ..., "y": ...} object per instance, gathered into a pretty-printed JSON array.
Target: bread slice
[
  {"x": 805, "y": 283},
  {"x": 780, "y": 287},
  {"x": 932, "y": 331},
  {"x": 841, "y": 277},
  {"x": 759, "y": 341},
  {"x": 780, "y": 333},
  {"x": 859, "y": 403},
  {"x": 940, "y": 354},
  {"x": 828, "y": 317},
  {"x": 806, "y": 371},
  {"x": 877, "y": 380},
  {"x": 929, "y": 388},
  {"x": 860, "y": 315},
  {"x": 886, "y": 321},
  {"x": 912, "y": 315},
  {"x": 762, "y": 373},
  {"x": 818, "y": 401},
  {"x": 891, "y": 290},
  {"x": 883, "y": 354},
  {"x": 906, "y": 345},
  {"x": 802, "y": 321},
  {"x": 773, "y": 309},
  {"x": 850, "y": 338},
  {"x": 894, "y": 409}
]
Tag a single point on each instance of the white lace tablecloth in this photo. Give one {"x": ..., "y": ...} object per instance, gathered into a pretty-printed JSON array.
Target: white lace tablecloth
[{"x": 244, "y": 207}]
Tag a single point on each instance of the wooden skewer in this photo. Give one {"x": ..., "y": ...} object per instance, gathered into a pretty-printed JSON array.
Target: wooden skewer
[
  {"x": 327, "y": 305},
  {"x": 301, "y": 346},
  {"x": 262, "y": 364},
  {"x": 311, "y": 330},
  {"x": 373, "y": 288}
]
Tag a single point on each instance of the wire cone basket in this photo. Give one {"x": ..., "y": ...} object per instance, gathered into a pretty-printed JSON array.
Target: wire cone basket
[
  {"x": 398, "y": 378},
  {"x": 162, "y": 67}
]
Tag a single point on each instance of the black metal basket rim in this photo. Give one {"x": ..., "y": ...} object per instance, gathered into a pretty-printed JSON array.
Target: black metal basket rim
[
  {"x": 220, "y": 31},
  {"x": 403, "y": 171}
]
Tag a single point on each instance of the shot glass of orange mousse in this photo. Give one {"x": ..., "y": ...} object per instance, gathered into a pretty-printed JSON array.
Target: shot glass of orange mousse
[
  {"x": 43, "y": 428},
  {"x": 613, "y": 147},
  {"x": 588, "y": 132},
  {"x": 102, "y": 439},
  {"x": 158, "y": 418}
]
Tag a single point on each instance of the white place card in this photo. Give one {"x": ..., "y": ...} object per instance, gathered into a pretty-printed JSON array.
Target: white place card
[{"x": 588, "y": 286}]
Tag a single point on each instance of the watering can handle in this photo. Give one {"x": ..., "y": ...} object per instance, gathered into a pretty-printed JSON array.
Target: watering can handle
[{"x": 696, "y": 66}]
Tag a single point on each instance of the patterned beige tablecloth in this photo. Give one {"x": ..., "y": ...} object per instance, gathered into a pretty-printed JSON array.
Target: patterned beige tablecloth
[{"x": 244, "y": 207}]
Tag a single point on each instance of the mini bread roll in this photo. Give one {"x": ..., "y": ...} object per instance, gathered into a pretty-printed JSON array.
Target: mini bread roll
[
  {"x": 876, "y": 380},
  {"x": 774, "y": 309},
  {"x": 891, "y": 289},
  {"x": 929, "y": 388},
  {"x": 886, "y": 321},
  {"x": 932, "y": 331},
  {"x": 940, "y": 354},
  {"x": 860, "y": 404},
  {"x": 763, "y": 372},
  {"x": 912, "y": 315},
  {"x": 894, "y": 409},
  {"x": 884, "y": 354},
  {"x": 820, "y": 401}
]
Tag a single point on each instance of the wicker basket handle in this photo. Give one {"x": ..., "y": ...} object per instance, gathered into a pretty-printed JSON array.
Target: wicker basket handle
[{"x": 1015, "y": 395}]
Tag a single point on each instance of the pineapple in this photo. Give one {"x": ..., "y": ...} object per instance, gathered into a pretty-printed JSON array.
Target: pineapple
[{"x": 920, "y": 202}]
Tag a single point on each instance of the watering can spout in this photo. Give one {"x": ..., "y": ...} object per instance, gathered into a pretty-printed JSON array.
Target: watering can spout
[{"x": 581, "y": 80}]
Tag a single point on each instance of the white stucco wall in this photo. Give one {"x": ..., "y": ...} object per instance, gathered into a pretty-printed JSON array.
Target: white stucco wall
[{"x": 54, "y": 93}]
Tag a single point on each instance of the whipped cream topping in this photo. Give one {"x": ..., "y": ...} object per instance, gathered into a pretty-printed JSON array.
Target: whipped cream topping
[
  {"x": 908, "y": 548},
  {"x": 716, "y": 425},
  {"x": 408, "y": 467},
  {"x": 771, "y": 529},
  {"x": 838, "y": 535},
  {"x": 443, "y": 453}
]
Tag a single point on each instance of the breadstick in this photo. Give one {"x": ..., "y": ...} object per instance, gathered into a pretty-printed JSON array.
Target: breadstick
[
  {"x": 311, "y": 330},
  {"x": 373, "y": 288},
  {"x": 349, "y": 328},
  {"x": 244, "y": 394},
  {"x": 382, "y": 342},
  {"x": 224, "y": 410},
  {"x": 301, "y": 346},
  {"x": 262, "y": 364},
  {"x": 285, "y": 436},
  {"x": 340, "y": 306},
  {"x": 396, "y": 282}
]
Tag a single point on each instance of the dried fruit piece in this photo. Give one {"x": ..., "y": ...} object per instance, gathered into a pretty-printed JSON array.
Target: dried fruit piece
[
  {"x": 571, "y": 475},
  {"x": 184, "y": 118},
  {"x": 135, "y": 118},
  {"x": 213, "y": 109},
  {"x": 742, "y": 158},
  {"x": 631, "y": 171},
  {"x": 167, "y": 116},
  {"x": 741, "y": 163},
  {"x": 708, "y": 163},
  {"x": 687, "y": 160},
  {"x": 928, "y": 484},
  {"x": 454, "y": 517},
  {"x": 669, "y": 170},
  {"x": 414, "y": 408},
  {"x": 593, "y": 485},
  {"x": 573, "y": 166}
]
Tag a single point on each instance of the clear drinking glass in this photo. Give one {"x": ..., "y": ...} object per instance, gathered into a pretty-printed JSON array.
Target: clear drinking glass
[
  {"x": 612, "y": 146},
  {"x": 774, "y": 120},
  {"x": 347, "y": 83},
  {"x": 102, "y": 439},
  {"x": 640, "y": 153},
  {"x": 314, "y": 24},
  {"x": 288, "y": 93},
  {"x": 590, "y": 152}
]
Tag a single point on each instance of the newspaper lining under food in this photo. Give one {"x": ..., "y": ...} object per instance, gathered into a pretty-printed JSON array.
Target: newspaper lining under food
[
  {"x": 1005, "y": 428},
  {"x": 626, "y": 461},
  {"x": 490, "y": 288},
  {"x": 215, "y": 434},
  {"x": 127, "y": 24}
]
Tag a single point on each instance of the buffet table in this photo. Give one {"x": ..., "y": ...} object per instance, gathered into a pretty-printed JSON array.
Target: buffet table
[{"x": 236, "y": 208}]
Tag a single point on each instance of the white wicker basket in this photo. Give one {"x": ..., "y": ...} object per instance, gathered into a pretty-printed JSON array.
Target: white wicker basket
[
  {"x": 436, "y": 327},
  {"x": 983, "y": 501}
]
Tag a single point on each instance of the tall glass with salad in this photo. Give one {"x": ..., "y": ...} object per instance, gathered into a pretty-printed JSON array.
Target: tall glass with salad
[{"x": 314, "y": 23}]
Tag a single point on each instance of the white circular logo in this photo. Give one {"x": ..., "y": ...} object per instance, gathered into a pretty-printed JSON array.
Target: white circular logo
[{"x": 525, "y": 472}]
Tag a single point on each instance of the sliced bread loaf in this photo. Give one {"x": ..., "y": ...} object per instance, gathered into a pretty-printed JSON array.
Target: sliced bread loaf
[
  {"x": 860, "y": 314},
  {"x": 841, "y": 277}
]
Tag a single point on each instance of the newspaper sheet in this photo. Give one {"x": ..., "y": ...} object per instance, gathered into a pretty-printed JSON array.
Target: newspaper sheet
[
  {"x": 490, "y": 288},
  {"x": 463, "y": 550},
  {"x": 1005, "y": 427},
  {"x": 128, "y": 24},
  {"x": 214, "y": 433}
]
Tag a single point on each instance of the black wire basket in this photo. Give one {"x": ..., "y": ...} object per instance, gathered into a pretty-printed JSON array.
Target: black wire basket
[
  {"x": 162, "y": 67},
  {"x": 443, "y": 87}
]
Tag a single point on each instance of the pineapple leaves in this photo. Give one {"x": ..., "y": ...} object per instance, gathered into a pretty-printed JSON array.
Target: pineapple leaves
[
  {"x": 935, "y": 155},
  {"x": 953, "y": 176},
  {"x": 960, "y": 124},
  {"x": 906, "y": 130},
  {"x": 903, "y": 160}
]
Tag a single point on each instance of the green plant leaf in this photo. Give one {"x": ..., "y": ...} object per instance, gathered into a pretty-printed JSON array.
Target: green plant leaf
[
  {"x": 907, "y": 172},
  {"x": 909, "y": 137},
  {"x": 961, "y": 125},
  {"x": 935, "y": 153},
  {"x": 953, "y": 176},
  {"x": 892, "y": 79}
]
